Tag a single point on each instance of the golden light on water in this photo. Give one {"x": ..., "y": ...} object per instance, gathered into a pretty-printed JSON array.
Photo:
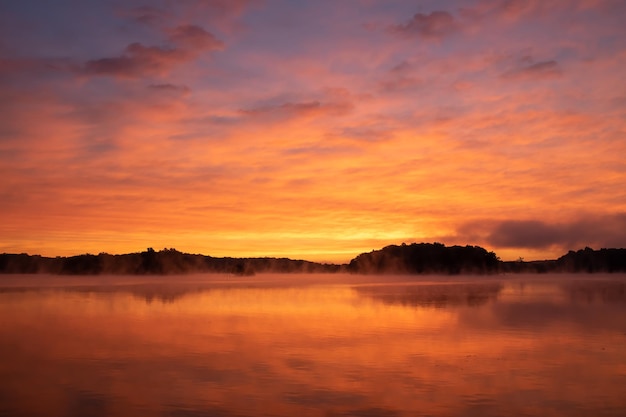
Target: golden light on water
[{"x": 316, "y": 348}]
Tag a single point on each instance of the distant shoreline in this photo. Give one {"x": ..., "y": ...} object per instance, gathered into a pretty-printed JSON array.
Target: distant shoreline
[{"x": 412, "y": 259}]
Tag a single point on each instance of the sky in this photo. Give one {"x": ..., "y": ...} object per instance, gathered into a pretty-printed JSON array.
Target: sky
[{"x": 314, "y": 130}]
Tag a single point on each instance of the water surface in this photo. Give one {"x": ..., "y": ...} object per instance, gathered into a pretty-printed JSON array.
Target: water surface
[{"x": 313, "y": 345}]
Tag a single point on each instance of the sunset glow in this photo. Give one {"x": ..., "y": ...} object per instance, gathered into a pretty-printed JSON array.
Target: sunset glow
[
  {"x": 312, "y": 129},
  {"x": 309, "y": 349}
]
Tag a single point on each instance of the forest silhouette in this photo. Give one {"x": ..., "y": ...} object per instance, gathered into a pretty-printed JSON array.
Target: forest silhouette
[{"x": 415, "y": 258}]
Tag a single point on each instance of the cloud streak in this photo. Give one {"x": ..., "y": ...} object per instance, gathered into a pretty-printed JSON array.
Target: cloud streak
[
  {"x": 593, "y": 230},
  {"x": 535, "y": 71},
  {"x": 289, "y": 110},
  {"x": 188, "y": 42},
  {"x": 432, "y": 26}
]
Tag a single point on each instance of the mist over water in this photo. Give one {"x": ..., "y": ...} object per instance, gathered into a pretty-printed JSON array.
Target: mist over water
[{"x": 313, "y": 345}]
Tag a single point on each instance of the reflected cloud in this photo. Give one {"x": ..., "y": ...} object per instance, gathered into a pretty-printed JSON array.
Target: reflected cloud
[
  {"x": 185, "y": 411},
  {"x": 321, "y": 398},
  {"x": 365, "y": 346},
  {"x": 433, "y": 295},
  {"x": 540, "y": 304},
  {"x": 596, "y": 292},
  {"x": 87, "y": 403},
  {"x": 300, "y": 363},
  {"x": 369, "y": 412}
]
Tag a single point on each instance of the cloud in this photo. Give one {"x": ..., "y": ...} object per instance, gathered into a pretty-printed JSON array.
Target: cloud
[
  {"x": 320, "y": 150},
  {"x": 490, "y": 9},
  {"x": 194, "y": 37},
  {"x": 525, "y": 234},
  {"x": 32, "y": 66},
  {"x": 219, "y": 14},
  {"x": 147, "y": 15},
  {"x": 535, "y": 71},
  {"x": 170, "y": 88},
  {"x": 512, "y": 10},
  {"x": 367, "y": 132},
  {"x": 188, "y": 41},
  {"x": 299, "y": 109},
  {"x": 219, "y": 6},
  {"x": 400, "y": 78},
  {"x": 137, "y": 60},
  {"x": 596, "y": 231},
  {"x": 435, "y": 25}
]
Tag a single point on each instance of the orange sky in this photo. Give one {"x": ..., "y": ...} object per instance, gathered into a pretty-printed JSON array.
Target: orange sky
[{"x": 315, "y": 130}]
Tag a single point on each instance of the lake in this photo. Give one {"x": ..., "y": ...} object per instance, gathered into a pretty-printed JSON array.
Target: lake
[{"x": 313, "y": 345}]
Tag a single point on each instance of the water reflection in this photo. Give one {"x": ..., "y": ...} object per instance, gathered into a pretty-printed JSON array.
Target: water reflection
[
  {"x": 344, "y": 346},
  {"x": 604, "y": 291},
  {"x": 433, "y": 295}
]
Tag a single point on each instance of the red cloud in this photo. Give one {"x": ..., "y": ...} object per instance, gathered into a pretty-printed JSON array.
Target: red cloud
[
  {"x": 219, "y": 6},
  {"x": 195, "y": 38},
  {"x": 147, "y": 15},
  {"x": 138, "y": 60},
  {"x": 302, "y": 109},
  {"x": 435, "y": 25},
  {"x": 539, "y": 70}
]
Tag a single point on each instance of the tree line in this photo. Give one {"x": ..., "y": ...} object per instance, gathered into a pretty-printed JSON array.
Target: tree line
[
  {"x": 415, "y": 258},
  {"x": 151, "y": 262}
]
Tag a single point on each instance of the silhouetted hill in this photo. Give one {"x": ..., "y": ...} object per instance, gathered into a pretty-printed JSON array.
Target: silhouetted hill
[
  {"x": 416, "y": 258},
  {"x": 584, "y": 260},
  {"x": 164, "y": 262},
  {"x": 426, "y": 258},
  {"x": 589, "y": 260}
]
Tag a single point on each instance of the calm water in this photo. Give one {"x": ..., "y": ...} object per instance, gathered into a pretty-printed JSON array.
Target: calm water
[{"x": 294, "y": 345}]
